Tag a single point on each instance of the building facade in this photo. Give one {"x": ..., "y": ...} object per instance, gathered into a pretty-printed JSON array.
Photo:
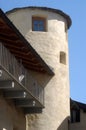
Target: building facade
[
  {"x": 78, "y": 115},
  {"x": 44, "y": 31}
]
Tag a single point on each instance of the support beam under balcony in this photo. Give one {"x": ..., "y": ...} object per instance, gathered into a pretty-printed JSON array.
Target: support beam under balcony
[
  {"x": 6, "y": 84},
  {"x": 26, "y": 103},
  {"x": 32, "y": 110},
  {"x": 15, "y": 94}
]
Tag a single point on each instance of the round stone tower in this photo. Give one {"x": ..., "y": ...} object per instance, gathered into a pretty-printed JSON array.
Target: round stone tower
[{"x": 46, "y": 30}]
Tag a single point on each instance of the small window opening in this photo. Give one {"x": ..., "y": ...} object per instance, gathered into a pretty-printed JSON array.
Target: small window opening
[
  {"x": 63, "y": 57},
  {"x": 75, "y": 115},
  {"x": 38, "y": 23}
]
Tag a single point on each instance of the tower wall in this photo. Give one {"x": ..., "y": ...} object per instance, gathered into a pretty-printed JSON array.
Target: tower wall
[{"x": 49, "y": 46}]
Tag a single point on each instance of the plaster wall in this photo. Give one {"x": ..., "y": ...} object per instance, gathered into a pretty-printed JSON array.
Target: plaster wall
[
  {"x": 48, "y": 45},
  {"x": 11, "y": 118}
]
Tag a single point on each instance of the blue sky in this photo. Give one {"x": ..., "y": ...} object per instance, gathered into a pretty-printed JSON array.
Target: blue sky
[{"x": 77, "y": 38}]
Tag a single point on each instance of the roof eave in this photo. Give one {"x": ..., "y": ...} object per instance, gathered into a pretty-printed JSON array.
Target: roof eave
[{"x": 10, "y": 24}]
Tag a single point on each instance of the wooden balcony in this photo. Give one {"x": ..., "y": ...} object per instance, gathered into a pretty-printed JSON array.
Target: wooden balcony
[
  {"x": 17, "y": 56},
  {"x": 17, "y": 84}
]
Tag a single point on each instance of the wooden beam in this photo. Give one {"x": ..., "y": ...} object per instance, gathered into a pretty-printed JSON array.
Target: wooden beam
[
  {"x": 6, "y": 84},
  {"x": 31, "y": 63},
  {"x": 5, "y": 27},
  {"x": 26, "y": 58},
  {"x": 20, "y": 53},
  {"x": 26, "y": 103},
  {"x": 1, "y": 21},
  {"x": 14, "y": 46},
  {"x": 17, "y": 46},
  {"x": 33, "y": 110},
  {"x": 15, "y": 94},
  {"x": 36, "y": 68},
  {"x": 7, "y": 40},
  {"x": 9, "y": 35}
]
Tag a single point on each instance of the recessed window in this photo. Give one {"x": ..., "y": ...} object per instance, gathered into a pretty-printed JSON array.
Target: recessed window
[
  {"x": 63, "y": 57},
  {"x": 38, "y": 24},
  {"x": 75, "y": 115}
]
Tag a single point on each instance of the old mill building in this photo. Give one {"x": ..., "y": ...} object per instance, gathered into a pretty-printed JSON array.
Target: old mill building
[{"x": 34, "y": 69}]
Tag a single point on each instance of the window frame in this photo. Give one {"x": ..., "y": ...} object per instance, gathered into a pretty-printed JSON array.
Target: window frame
[{"x": 39, "y": 18}]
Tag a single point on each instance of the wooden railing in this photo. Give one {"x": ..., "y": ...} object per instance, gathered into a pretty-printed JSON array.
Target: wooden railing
[{"x": 17, "y": 70}]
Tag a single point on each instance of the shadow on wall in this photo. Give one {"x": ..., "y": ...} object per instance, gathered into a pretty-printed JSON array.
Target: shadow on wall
[
  {"x": 43, "y": 79},
  {"x": 64, "y": 125}
]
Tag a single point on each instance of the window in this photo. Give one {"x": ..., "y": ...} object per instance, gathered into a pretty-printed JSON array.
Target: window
[
  {"x": 63, "y": 57},
  {"x": 38, "y": 24},
  {"x": 75, "y": 115}
]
